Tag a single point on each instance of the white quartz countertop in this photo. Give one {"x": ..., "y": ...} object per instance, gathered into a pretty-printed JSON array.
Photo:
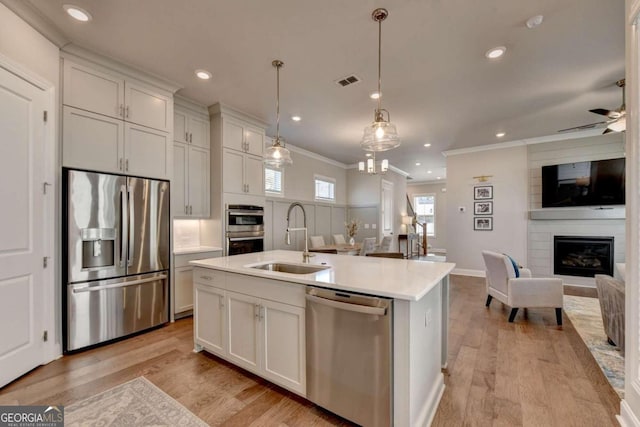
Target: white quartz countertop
[
  {"x": 393, "y": 278},
  {"x": 195, "y": 250}
]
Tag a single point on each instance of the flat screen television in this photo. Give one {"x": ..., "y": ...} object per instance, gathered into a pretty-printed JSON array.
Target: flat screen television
[{"x": 597, "y": 183}]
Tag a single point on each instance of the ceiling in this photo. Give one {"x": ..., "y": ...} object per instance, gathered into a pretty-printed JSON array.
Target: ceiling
[{"x": 436, "y": 82}]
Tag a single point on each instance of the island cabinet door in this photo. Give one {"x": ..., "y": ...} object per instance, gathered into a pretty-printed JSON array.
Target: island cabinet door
[
  {"x": 243, "y": 312},
  {"x": 282, "y": 327},
  {"x": 210, "y": 319}
]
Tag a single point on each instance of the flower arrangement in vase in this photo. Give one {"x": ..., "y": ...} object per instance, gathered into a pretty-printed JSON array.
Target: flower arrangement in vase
[{"x": 352, "y": 230}]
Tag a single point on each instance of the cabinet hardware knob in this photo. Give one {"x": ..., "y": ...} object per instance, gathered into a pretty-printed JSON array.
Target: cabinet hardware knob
[
  {"x": 126, "y": 164},
  {"x": 186, "y": 136},
  {"x": 120, "y": 168},
  {"x": 121, "y": 110},
  {"x": 190, "y": 137},
  {"x": 127, "y": 112}
]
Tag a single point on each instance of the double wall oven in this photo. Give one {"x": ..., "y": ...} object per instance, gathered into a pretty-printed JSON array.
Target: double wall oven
[{"x": 245, "y": 229}]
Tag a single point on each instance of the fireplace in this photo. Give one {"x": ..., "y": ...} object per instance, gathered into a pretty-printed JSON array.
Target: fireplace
[{"x": 582, "y": 256}]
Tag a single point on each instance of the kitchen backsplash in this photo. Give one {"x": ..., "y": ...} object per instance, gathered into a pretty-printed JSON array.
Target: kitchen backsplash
[{"x": 186, "y": 233}]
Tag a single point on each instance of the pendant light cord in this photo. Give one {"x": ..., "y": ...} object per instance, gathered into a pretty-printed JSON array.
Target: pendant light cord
[
  {"x": 379, "y": 64},
  {"x": 278, "y": 104}
]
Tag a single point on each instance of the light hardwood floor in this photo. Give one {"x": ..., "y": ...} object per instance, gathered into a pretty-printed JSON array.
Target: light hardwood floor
[{"x": 528, "y": 373}]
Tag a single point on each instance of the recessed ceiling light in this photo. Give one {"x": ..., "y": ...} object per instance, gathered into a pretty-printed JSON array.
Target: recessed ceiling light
[
  {"x": 296, "y": 118},
  {"x": 418, "y": 164},
  {"x": 77, "y": 12},
  {"x": 427, "y": 145},
  {"x": 500, "y": 134},
  {"x": 534, "y": 21},
  {"x": 429, "y": 172},
  {"x": 495, "y": 52},
  {"x": 203, "y": 74},
  {"x": 374, "y": 95},
  {"x": 368, "y": 154}
]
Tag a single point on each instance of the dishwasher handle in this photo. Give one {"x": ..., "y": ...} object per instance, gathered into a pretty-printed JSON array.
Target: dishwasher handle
[{"x": 364, "y": 309}]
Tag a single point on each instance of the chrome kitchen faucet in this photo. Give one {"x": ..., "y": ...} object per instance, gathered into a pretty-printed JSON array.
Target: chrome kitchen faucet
[{"x": 305, "y": 255}]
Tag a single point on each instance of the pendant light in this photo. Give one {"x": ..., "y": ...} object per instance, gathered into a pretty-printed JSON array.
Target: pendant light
[
  {"x": 277, "y": 155},
  {"x": 369, "y": 166},
  {"x": 381, "y": 135}
]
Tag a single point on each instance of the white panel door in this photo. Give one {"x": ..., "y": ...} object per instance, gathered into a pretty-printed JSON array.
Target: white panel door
[
  {"x": 147, "y": 107},
  {"x": 209, "y": 318},
  {"x": 232, "y": 170},
  {"x": 92, "y": 141},
  {"x": 232, "y": 136},
  {"x": 254, "y": 175},
  {"x": 147, "y": 151},
  {"x": 387, "y": 216},
  {"x": 284, "y": 345},
  {"x": 21, "y": 229},
  {"x": 242, "y": 314},
  {"x": 198, "y": 182},
  {"x": 179, "y": 184},
  {"x": 254, "y": 141},
  {"x": 199, "y": 132},
  {"x": 93, "y": 90},
  {"x": 183, "y": 289}
]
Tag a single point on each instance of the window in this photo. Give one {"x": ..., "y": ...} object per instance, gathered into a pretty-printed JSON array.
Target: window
[
  {"x": 273, "y": 181},
  {"x": 325, "y": 189},
  {"x": 425, "y": 208}
]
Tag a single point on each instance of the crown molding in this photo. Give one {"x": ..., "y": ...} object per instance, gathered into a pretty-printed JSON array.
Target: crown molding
[
  {"x": 42, "y": 24},
  {"x": 76, "y": 52},
  {"x": 192, "y": 106},
  {"x": 314, "y": 156},
  {"x": 226, "y": 110},
  {"x": 526, "y": 141},
  {"x": 433, "y": 182}
]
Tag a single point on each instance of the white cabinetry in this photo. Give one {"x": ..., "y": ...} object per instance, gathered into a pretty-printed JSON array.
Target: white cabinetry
[
  {"x": 115, "y": 123},
  {"x": 183, "y": 280},
  {"x": 263, "y": 324},
  {"x": 190, "y": 196}
]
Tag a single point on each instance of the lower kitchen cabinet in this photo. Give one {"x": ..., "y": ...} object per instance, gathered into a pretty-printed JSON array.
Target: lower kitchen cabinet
[
  {"x": 263, "y": 336},
  {"x": 210, "y": 323},
  {"x": 183, "y": 280}
]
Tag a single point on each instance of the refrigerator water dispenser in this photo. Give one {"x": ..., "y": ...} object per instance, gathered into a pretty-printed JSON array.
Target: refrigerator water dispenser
[{"x": 98, "y": 247}]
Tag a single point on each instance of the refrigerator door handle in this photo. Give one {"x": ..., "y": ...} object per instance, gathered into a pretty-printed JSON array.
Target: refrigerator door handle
[
  {"x": 118, "y": 285},
  {"x": 123, "y": 224},
  {"x": 131, "y": 226}
]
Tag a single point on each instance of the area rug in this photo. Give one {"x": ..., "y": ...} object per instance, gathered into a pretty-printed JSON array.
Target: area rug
[
  {"x": 586, "y": 317},
  {"x": 135, "y": 403}
]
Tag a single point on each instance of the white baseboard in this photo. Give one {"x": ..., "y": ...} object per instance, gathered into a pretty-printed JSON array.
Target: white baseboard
[
  {"x": 428, "y": 411},
  {"x": 468, "y": 272},
  {"x": 627, "y": 418}
]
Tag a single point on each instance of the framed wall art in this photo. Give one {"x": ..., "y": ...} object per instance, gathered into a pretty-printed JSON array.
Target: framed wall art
[
  {"x": 483, "y": 208},
  {"x": 483, "y": 192},
  {"x": 483, "y": 223}
]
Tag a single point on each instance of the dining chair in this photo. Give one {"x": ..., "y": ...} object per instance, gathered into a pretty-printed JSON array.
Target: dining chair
[
  {"x": 368, "y": 246},
  {"x": 385, "y": 244},
  {"x": 338, "y": 239},
  {"x": 316, "y": 241}
]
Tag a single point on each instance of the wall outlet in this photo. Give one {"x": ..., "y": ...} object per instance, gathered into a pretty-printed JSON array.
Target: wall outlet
[
  {"x": 427, "y": 318},
  {"x": 366, "y": 226},
  {"x": 374, "y": 226},
  {"x": 462, "y": 209}
]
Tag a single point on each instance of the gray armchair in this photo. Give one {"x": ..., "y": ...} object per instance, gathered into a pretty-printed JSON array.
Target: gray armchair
[{"x": 611, "y": 296}]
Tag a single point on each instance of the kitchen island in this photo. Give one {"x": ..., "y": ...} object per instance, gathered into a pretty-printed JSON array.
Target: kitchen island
[{"x": 255, "y": 318}]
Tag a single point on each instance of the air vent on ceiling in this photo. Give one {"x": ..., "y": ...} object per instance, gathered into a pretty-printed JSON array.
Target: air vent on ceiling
[{"x": 348, "y": 80}]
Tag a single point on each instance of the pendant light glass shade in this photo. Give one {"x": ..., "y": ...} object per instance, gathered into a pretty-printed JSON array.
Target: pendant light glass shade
[
  {"x": 277, "y": 155},
  {"x": 381, "y": 135}
]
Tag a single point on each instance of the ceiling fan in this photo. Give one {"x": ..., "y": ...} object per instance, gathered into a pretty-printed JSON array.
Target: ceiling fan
[{"x": 617, "y": 118}]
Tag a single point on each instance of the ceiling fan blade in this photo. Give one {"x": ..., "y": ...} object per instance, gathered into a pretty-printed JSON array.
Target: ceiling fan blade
[
  {"x": 601, "y": 111},
  {"x": 589, "y": 126}
]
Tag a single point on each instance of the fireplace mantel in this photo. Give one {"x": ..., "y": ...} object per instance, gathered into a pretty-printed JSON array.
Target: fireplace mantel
[{"x": 605, "y": 212}]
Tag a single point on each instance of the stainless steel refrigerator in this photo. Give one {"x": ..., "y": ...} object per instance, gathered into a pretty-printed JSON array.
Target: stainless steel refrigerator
[{"x": 116, "y": 268}]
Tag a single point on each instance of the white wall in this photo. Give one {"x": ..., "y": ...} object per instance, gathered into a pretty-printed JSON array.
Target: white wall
[
  {"x": 508, "y": 168},
  {"x": 439, "y": 241}
]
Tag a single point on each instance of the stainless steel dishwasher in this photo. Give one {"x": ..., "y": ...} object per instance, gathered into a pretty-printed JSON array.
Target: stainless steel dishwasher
[{"x": 349, "y": 355}]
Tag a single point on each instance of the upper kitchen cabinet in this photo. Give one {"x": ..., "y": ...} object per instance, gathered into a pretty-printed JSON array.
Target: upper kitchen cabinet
[
  {"x": 191, "y": 159},
  {"x": 113, "y": 95},
  {"x": 237, "y": 149},
  {"x": 115, "y": 119}
]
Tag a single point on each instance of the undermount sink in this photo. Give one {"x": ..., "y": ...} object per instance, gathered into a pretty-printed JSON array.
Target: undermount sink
[{"x": 291, "y": 268}]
